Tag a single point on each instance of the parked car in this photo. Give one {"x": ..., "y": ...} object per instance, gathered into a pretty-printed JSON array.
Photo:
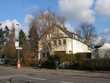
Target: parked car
[
  {"x": 65, "y": 65},
  {"x": 2, "y": 61}
]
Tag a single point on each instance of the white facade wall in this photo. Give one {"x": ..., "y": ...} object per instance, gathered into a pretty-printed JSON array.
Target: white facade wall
[
  {"x": 75, "y": 46},
  {"x": 72, "y": 46}
]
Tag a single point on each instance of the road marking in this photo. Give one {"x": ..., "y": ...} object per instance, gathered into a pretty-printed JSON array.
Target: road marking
[
  {"x": 25, "y": 76},
  {"x": 6, "y": 77},
  {"x": 66, "y": 82},
  {"x": 34, "y": 78}
]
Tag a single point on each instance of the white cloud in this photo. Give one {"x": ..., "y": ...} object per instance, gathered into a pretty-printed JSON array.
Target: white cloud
[
  {"x": 78, "y": 9},
  {"x": 27, "y": 21},
  {"x": 103, "y": 7},
  {"x": 107, "y": 31},
  {"x": 28, "y": 18}
]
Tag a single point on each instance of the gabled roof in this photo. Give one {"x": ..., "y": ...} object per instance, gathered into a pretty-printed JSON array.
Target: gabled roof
[
  {"x": 64, "y": 29},
  {"x": 67, "y": 32}
]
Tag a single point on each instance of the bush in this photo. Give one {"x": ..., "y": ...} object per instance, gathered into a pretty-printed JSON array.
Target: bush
[
  {"x": 96, "y": 64},
  {"x": 49, "y": 63},
  {"x": 11, "y": 61},
  {"x": 80, "y": 60},
  {"x": 101, "y": 64},
  {"x": 27, "y": 60},
  {"x": 63, "y": 57}
]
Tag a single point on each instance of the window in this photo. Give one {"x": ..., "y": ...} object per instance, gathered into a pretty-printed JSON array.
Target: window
[
  {"x": 59, "y": 42},
  {"x": 64, "y": 41},
  {"x": 76, "y": 37},
  {"x": 55, "y": 42},
  {"x": 73, "y": 36},
  {"x": 47, "y": 36},
  {"x": 43, "y": 55},
  {"x": 17, "y": 24},
  {"x": 50, "y": 35},
  {"x": 70, "y": 52}
]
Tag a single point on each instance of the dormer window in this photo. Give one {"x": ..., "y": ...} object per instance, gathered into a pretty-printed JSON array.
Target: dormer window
[{"x": 17, "y": 24}]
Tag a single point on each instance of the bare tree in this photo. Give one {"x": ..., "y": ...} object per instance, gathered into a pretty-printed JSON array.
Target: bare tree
[
  {"x": 39, "y": 27},
  {"x": 87, "y": 32}
]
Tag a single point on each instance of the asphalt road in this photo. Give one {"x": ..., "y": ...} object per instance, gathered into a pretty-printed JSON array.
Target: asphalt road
[{"x": 29, "y": 75}]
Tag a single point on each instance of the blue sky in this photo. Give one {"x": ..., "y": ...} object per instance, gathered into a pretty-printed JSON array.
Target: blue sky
[{"x": 18, "y": 9}]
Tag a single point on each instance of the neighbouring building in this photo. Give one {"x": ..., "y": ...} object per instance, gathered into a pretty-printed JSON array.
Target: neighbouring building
[
  {"x": 58, "y": 39},
  {"x": 10, "y": 30},
  {"x": 103, "y": 52},
  {"x": 13, "y": 26}
]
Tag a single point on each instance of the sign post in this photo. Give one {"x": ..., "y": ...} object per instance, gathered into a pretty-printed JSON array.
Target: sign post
[
  {"x": 17, "y": 29},
  {"x": 18, "y": 55}
]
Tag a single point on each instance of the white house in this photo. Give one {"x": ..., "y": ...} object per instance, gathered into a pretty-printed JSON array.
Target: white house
[
  {"x": 13, "y": 26},
  {"x": 104, "y": 51},
  {"x": 59, "y": 39}
]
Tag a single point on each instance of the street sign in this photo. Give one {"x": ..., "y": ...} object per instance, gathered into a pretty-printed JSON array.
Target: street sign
[
  {"x": 19, "y": 48},
  {"x": 17, "y": 44}
]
